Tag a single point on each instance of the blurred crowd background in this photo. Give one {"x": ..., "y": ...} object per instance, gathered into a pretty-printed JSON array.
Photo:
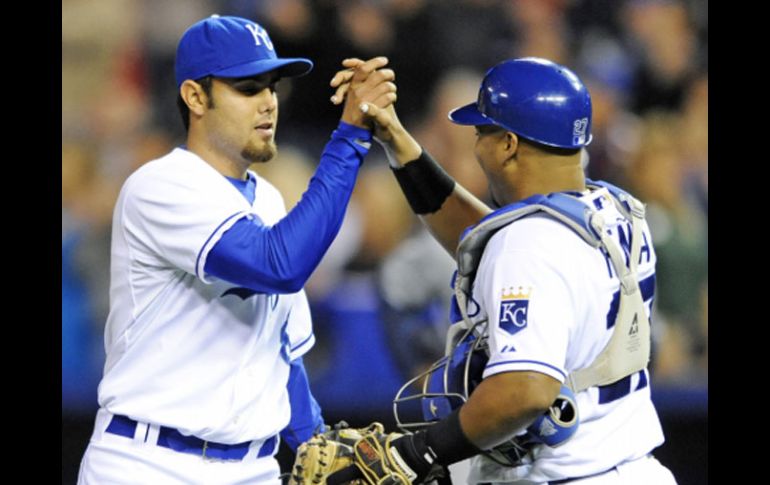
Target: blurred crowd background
[{"x": 380, "y": 297}]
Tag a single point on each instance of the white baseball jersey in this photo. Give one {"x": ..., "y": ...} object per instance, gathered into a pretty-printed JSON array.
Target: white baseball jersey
[
  {"x": 186, "y": 350},
  {"x": 551, "y": 300}
]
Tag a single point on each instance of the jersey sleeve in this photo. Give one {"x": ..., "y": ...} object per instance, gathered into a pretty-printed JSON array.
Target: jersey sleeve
[
  {"x": 530, "y": 313},
  {"x": 174, "y": 219},
  {"x": 282, "y": 256}
]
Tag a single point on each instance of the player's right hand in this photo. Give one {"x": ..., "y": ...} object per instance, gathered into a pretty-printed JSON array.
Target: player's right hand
[
  {"x": 388, "y": 130},
  {"x": 367, "y": 84},
  {"x": 342, "y": 81}
]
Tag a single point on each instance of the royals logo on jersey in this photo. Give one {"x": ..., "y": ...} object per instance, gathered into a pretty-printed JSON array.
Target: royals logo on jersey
[{"x": 514, "y": 307}]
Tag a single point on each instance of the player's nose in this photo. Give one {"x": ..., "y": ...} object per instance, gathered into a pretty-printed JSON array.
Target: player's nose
[{"x": 268, "y": 101}]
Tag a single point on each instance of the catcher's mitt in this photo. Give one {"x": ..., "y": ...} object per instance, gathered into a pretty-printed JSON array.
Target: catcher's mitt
[
  {"x": 326, "y": 453},
  {"x": 392, "y": 459}
]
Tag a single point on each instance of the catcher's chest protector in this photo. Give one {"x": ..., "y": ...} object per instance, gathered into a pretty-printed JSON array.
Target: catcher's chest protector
[{"x": 628, "y": 350}]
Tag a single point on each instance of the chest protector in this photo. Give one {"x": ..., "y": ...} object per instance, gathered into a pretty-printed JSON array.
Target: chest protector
[{"x": 628, "y": 350}]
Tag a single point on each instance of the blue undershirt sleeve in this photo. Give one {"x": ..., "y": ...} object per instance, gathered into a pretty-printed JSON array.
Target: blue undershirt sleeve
[
  {"x": 306, "y": 416},
  {"x": 280, "y": 258}
]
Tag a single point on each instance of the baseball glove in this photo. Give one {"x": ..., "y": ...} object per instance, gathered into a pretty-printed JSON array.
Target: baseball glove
[
  {"x": 328, "y": 452},
  {"x": 374, "y": 457},
  {"x": 390, "y": 459}
]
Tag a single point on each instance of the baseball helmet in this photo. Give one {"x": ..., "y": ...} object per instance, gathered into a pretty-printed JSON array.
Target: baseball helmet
[
  {"x": 535, "y": 98},
  {"x": 449, "y": 382}
]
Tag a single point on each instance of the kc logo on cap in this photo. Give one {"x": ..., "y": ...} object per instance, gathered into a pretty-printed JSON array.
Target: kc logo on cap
[
  {"x": 259, "y": 33},
  {"x": 231, "y": 47}
]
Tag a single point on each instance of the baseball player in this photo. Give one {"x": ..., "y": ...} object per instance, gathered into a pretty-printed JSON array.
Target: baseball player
[
  {"x": 555, "y": 287},
  {"x": 208, "y": 320}
]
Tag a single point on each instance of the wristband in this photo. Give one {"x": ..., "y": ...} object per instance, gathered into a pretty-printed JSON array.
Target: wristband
[
  {"x": 448, "y": 441},
  {"x": 425, "y": 184}
]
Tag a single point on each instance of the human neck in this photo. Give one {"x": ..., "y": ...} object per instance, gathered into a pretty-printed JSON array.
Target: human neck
[
  {"x": 221, "y": 163},
  {"x": 549, "y": 175}
]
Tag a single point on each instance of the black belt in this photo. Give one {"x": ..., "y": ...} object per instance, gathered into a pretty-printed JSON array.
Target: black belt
[{"x": 174, "y": 440}]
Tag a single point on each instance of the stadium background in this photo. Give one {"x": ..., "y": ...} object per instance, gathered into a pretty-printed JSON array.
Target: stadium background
[{"x": 382, "y": 289}]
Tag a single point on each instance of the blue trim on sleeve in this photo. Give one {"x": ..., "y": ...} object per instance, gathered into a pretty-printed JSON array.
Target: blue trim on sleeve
[
  {"x": 528, "y": 362},
  {"x": 200, "y": 252},
  {"x": 302, "y": 343}
]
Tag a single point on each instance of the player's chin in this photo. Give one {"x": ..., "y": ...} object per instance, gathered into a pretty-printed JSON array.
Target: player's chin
[{"x": 260, "y": 155}]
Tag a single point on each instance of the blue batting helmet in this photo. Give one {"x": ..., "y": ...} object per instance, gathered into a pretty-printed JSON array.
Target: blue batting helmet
[{"x": 535, "y": 98}]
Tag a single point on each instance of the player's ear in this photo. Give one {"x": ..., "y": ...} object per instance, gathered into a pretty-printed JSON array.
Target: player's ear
[
  {"x": 194, "y": 97},
  {"x": 510, "y": 145}
]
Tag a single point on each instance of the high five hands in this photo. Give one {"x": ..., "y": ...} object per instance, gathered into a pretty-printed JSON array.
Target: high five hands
[
  {"x": 370, "y": 91},
  {"x": 364, "y": 83}
]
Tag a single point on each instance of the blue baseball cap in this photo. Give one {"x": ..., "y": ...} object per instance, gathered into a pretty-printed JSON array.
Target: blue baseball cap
[{"x": 231, "y": 47}]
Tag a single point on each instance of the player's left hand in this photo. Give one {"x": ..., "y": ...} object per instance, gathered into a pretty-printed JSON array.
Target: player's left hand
[
  {"x": 387, "y": 459},
  {"x": 328, "y": 452}
]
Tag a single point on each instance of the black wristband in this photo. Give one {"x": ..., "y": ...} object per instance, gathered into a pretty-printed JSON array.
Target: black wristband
[
  {"x": 425, "y": 184},
  {"x": 448, "y": 441}
]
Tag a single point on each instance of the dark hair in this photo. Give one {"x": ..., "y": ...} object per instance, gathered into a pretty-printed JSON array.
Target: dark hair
[{"x": 184, "y": 111}]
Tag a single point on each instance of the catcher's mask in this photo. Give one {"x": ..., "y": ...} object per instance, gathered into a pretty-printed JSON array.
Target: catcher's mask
[{"x": 448, "y": 383}]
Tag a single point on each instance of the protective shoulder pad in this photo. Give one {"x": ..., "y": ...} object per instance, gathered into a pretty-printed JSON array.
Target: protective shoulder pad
[
  {"x": 626, "y": 203},
  {"x": 629, "y": 347},
  {"x": 567, "y": 209}
]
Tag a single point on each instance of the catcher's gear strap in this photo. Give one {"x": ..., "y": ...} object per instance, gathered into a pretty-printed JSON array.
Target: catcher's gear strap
[
  {"x": 425, "y": 184},
  {"x": 628, "y": 350}
]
